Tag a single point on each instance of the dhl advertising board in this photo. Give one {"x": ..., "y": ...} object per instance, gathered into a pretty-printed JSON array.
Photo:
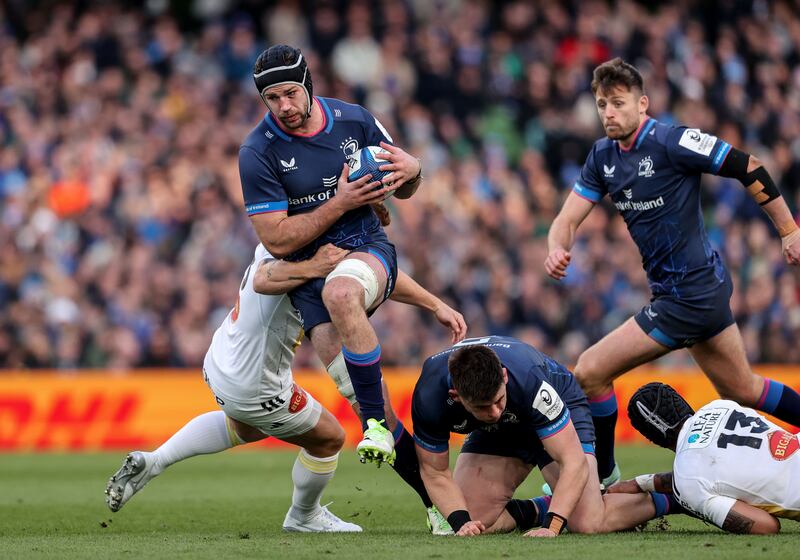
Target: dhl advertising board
[{"x": 94, "y": 411}]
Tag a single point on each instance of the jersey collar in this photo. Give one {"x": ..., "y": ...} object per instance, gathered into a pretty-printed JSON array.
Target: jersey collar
[
  {"x": 641, "y": 133},
  {"x": 327, "y": 123}
]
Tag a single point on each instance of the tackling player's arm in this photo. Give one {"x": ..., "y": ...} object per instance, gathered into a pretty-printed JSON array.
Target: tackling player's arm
[
  {"x": 407, "y": 290},
  {"x": 282, "y": 234},
  {"x": 562, "y": 232},
  {"x": 749, "y": 520},
  {"x": 275, "y": 277},
  {"x": 751, "y": 172},
  {"x": 445, "y": 493},
  {"x": 566, "y": 450},
  {"x": 659, "y": 482}
]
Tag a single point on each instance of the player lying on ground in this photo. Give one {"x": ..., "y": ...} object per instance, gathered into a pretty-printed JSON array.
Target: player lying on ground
[
  {"x": 248, "y": 368},
  {"x": 521, "y": 409},
  {"x": 294, "y": 173},
  {"x": 732, "y": 467},
  {"x": 651, "y": 171}
]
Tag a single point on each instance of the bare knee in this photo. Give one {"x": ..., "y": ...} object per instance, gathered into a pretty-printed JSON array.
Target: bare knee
[
  {"x": 331, "y": 446},
  {"x": 586, "y": 526},
  {"x": 339, "y": 295},
  {"x": 589, "y": 374}
]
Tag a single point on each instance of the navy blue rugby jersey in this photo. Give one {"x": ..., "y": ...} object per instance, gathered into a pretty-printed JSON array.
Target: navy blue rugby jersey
[
  {"x": 655, "y": 185},
  {"x": 539, "y": 391},
  {"x": 293, "y": 173}
]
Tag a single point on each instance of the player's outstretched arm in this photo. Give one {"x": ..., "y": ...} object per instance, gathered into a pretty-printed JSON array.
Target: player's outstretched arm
[
  {"x": 749, "y": 520},
  {"x": 407, "y": 290},
  {"x": 751, "y": 172},
  {"x": 275, "y": 277},
  {"x": 562, "y": 232},
  {"x": 282, "y": 234},
  {"x": 659, "y": 482},
  {"x": 445, "y": 493},
  {"x": 406, "y": 170},
  {"x": 565, "y": 449}
]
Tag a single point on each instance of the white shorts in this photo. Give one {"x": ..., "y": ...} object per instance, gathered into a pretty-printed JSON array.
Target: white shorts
[{"x": 292, "y": 413}]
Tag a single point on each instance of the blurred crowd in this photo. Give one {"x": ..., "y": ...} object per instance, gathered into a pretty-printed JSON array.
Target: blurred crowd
[{"x": 122, "y": 232}]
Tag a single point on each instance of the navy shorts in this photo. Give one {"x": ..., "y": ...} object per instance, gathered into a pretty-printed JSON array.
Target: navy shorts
[
  {"x": 307, "y": 299},
  {"x": 526, "y": 445},
  {"x": 682, "y": 322}
]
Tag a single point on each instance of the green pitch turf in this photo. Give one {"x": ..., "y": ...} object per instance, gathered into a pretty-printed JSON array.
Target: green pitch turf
[{"x": 232, "y": 505}]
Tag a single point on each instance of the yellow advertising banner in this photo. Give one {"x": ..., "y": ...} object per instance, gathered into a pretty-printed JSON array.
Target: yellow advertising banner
[{"x": 92, "y": 411}]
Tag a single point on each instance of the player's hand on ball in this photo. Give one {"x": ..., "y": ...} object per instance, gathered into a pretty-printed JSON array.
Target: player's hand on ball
[
  {"x": 624, "y": 487},
  {"x": 470, "y": 529},
  {"x": 362, "y": 191},
  {"x": 540, "y": 532},
  {"x": 453, "y": 320},
  {"x": 557, "y": 262},
  {"x": 326, "y": 258},
  {"x": 403, "y": 165}
]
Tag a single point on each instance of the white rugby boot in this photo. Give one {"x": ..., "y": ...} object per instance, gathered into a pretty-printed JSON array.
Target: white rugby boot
[
  {"x": 377, "y": 445},
  {"x": 323, "y": 521},
  {"x": 136, "y": 471}
]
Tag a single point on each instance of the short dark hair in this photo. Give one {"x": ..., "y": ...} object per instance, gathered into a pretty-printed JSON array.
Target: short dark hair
[
  {"x": 616, "y": 73},
  {"x": 476, "y": 372}
]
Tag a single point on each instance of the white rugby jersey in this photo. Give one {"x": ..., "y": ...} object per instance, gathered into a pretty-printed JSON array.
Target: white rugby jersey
[
  {"x": 251, "y": 352},
  {"x": 727, "y": 452}
]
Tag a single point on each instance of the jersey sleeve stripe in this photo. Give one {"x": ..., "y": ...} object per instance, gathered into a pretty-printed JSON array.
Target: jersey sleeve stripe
[
  {"x": 435, "y": 448},
  {"x": 719, "y": 158},
  {"x": 585, "y": 192},
  {"x": 555, "y": 427},
  {"x": 266, "y": 207}
]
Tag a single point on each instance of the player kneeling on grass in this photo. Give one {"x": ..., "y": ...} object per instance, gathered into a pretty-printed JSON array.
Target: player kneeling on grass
[
  {"x": 248, "y": 368},
  {"x": 732, "y": 467},
  {"x": 521, "y": 409}
]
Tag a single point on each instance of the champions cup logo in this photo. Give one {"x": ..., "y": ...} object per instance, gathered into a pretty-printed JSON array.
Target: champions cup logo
[
  {"x": 547, "y": 399},
  {"x": 299, "y": 399},
  {"x": 349, "y": 147},
  {"x": 782, "y": 444}
]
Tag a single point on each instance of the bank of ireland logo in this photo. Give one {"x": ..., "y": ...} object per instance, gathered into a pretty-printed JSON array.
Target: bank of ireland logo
[
  {"x": 349, "y": 147},
  {"x": 646, "y": 167},
  {"x": 609, "y": 171},
  {"x": 628, "y": 193}
]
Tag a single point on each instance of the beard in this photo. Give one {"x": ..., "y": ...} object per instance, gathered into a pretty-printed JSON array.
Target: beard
[
  {"x": 620, "y": 134},
  {"x": 292, "y": 122}
]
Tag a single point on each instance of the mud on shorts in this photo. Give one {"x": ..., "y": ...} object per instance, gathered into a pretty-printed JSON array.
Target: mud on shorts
[
  {"x": 307, "y": 299},
  {"x": 682, "y": 322},
  {"x": 526, "y": 445}
]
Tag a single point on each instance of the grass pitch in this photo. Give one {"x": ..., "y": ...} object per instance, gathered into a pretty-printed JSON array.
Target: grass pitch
[{"x": 232, "y": 505}]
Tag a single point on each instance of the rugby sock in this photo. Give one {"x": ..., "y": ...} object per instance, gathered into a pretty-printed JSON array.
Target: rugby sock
[
  {"x": 365, "y": 375},
  {"x": 310, "y": 476},
  {"x": 208, "y": 433},
  {"x": 604, "y": 416},
  {"x": 529, "y": 513},
  {"x": 406, "y": 463},
  {"x": 666, "y": 504},
  {"x": 781, "y": 401}
]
